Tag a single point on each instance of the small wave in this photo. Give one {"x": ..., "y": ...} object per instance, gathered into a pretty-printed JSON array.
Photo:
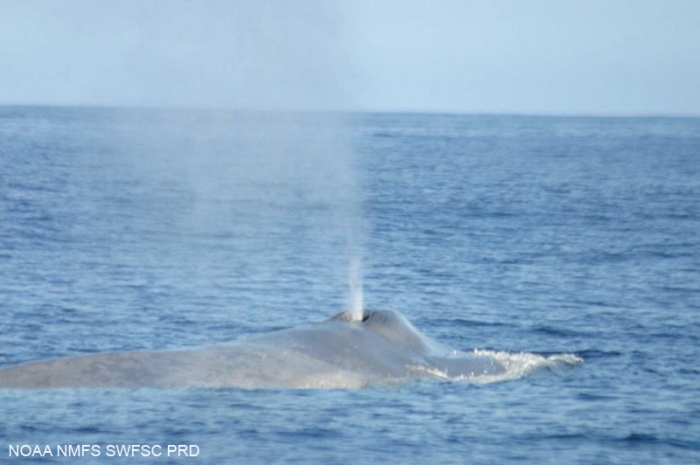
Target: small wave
[
  {"x": 461, "y": 322},
  {"x": 562, "y": 332},
  {"x": 592, "y": 354},
  {"x": 383, "y": 135}
]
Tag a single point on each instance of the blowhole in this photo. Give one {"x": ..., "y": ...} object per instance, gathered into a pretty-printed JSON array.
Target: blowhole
[{"x": 352, "y": 317}]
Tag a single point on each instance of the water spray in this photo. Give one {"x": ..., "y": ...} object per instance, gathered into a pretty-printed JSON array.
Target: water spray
[{"x": 356, "y": 295}]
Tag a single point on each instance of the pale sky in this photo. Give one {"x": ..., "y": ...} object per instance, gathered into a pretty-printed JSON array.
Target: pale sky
[{"x": 593, "y": 57}]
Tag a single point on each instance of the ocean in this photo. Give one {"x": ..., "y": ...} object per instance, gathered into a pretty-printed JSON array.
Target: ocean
[{"x": 142, "y": 229}]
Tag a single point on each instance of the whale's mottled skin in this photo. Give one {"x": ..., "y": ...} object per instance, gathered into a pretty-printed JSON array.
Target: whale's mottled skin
[{"x": 380, "y": 348}]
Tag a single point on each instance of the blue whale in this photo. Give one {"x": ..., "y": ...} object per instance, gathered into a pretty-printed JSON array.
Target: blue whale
[{"x": 378, "y": 347}]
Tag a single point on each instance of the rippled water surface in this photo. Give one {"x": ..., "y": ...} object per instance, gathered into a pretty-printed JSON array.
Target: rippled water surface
[{"x": 132, "y": 230}]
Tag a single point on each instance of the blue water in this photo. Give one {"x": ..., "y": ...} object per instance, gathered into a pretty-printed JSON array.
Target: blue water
[{"x": 142, "y": 229}]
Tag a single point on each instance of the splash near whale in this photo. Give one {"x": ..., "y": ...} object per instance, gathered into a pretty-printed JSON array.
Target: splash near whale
[{"x": 376, "y": 348}]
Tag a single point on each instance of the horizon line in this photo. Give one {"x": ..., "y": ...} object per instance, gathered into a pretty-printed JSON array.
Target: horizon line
[{"x": 394, "y": 111}]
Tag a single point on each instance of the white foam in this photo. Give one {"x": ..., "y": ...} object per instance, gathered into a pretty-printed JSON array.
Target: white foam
[
  {"x": 520, "y": 364},
  {"x": 516, "y": 366}
]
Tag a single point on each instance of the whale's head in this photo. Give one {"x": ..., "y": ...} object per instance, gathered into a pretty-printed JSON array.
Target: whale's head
[{"x": 391, "y": 326}]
